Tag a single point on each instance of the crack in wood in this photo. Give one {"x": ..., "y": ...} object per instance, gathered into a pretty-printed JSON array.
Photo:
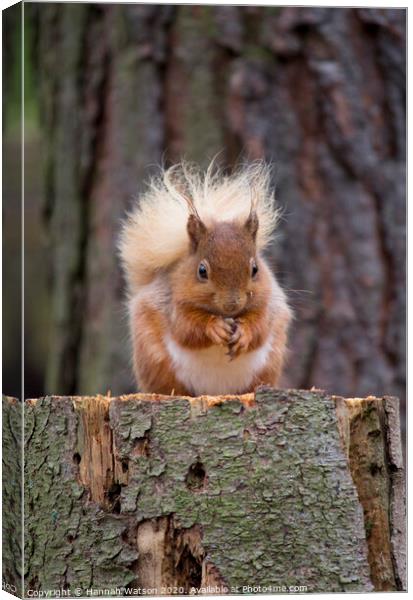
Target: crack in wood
[
  {"x": 172, "y": 559},
  {"x": 101, "y": 471},
  {"x": 364, "y": 429}
]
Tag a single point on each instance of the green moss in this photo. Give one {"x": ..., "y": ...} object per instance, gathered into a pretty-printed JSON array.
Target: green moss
[{"x": 260, "y": 523}]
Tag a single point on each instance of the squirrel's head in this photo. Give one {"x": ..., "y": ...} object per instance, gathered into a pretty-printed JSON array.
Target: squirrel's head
[{"x": 225, "y": 268}]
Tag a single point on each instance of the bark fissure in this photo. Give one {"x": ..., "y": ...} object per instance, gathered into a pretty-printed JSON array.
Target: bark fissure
[
  {"x": 172, "y": 559},
  {"x": 371, "y": 470},
  {"x": 94, "y": 95}
]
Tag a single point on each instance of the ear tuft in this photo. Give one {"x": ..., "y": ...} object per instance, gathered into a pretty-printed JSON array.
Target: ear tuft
[
  {"x": 196, "y": 229},
  {"x": 252, "y": 223}
]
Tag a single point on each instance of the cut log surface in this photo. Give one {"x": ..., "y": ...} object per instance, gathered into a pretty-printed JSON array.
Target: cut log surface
[{"x": 270, "y": 492}]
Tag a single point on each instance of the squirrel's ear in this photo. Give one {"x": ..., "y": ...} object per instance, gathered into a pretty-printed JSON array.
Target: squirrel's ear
[
  {"x": 196, "y": 229},
  {"x": 252, "y": 223}
]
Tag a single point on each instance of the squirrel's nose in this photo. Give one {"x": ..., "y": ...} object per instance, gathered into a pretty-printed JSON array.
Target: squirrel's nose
[{"x": 232, "y": 306}]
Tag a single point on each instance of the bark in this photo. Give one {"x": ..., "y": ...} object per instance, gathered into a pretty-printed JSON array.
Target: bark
[
  {"x": 320, "y": 92},
  {"x": 284, "y": 488},
  {"x": 12, "y": 435}
]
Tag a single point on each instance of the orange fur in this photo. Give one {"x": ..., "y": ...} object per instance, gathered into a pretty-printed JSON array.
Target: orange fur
[
  {"x": 152, "y": 366},
  {"x": 221, "y": 331}
]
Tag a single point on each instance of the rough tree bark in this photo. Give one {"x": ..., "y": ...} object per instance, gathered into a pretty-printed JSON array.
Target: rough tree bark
[
  {"x": 12, "y": 436},
  {"x": 284, "y": 488},
  {"x": 318, "y": 91}
]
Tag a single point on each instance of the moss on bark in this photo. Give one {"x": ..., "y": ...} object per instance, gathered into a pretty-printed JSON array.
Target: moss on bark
[{"x": 237, "y": 491}]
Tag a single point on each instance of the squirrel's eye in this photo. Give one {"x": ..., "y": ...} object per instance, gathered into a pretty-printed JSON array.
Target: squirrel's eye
[
  {"x": 254, "y": 269},
  {"x": 202, "y": 271}
]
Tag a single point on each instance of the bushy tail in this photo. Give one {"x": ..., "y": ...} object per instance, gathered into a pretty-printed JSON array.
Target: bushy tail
[{"x": 154, "y": 236}]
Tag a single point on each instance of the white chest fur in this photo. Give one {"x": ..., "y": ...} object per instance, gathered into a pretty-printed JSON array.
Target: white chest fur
[{"x": 209, "y": 371}]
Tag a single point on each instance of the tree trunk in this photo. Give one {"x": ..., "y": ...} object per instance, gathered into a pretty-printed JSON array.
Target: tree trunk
[
  {"x": 156, "y": 493},
  {"x": 317, "y": 91}
]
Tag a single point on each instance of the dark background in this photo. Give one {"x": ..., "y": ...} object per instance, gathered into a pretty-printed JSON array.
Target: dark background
[{"x": 113, "y": 91}]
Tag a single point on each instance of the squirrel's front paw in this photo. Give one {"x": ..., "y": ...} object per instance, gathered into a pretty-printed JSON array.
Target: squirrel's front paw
[
  {"x": 240, "y": 341},
  {"x": 219, "y": 330}
]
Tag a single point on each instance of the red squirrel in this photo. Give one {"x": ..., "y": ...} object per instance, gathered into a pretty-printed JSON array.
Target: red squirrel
[{"x": 207, "y": 315}]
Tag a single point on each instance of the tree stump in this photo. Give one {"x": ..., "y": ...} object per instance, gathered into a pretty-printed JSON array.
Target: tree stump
[{"x": 277, "y": 491}]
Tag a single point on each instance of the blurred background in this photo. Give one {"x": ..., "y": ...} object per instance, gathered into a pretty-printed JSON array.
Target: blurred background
[{"x": 112, "y": 91}]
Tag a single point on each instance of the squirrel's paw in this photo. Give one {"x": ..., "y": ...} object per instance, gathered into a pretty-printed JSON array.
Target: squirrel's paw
[
  {"x": 240, "y": 341},
  {"x": 219, "y": 331}
]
